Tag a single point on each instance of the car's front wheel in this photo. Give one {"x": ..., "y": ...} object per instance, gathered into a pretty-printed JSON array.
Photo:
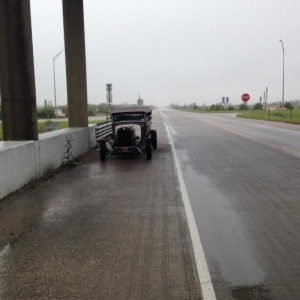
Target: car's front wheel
[
  {"x": 148, "y": 149},
  {"x": 103, "y": 150},
  {"x": 154, "y": 139}
]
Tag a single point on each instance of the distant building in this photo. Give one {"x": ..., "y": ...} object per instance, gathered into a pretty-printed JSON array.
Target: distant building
[
  {"x": 59, "y": 113},
  {"x": 271, "y": 107}
]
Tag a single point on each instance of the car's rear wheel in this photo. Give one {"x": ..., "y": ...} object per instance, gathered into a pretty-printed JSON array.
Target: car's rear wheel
[
  {"x": 148, "y": 149},
  {"x": 103, "y": 150},
  {"x": 154, "y": 139}
]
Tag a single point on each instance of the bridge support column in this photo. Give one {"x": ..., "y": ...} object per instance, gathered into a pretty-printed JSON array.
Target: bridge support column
[
  {"x": 75, "y": 62},
  {"x": 17, "y": 81}
]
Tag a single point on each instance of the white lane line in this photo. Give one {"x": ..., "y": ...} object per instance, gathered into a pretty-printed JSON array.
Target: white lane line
[
  {"x": 203, "y": 272},
  {"x": 2, "y": 255}
]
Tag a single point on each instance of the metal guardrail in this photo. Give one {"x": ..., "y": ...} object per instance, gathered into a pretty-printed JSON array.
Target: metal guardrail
[{"x": 103, "y": 130}]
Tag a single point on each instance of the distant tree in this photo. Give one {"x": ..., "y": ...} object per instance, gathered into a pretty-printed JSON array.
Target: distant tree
[
  {"x": 212, "y": 107},
  {"x": 91, "y": 110},
  {"x": 288, "y": 105},
  {"x": 243, "y": 107},
  {"x": 103, "y": 108},
  {"x": 231, "y": 108},
  {"x": 258, "y": 106},
  {"x": 219, "y": 107},
  {"x": 193, "y": 106},
  {"x": 65, "y": 110},
  {"x": 216, "y": 107},
  {"x": 45, "y": 113}
]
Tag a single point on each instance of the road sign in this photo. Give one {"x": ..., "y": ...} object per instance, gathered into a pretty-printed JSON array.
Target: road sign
[
  {"x": 140, "y": 102},
  {"x": 109, "y": 87},
  {"x": 245, "y": 97},
  {"x": 227, "y": 99},
  {"x": 223, "y": 99}
]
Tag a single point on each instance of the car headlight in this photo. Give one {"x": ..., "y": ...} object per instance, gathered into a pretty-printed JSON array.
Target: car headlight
[{"x": 137, "y": 140}]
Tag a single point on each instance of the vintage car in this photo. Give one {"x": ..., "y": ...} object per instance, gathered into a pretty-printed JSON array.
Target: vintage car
[{"x": 132, "y": 133}]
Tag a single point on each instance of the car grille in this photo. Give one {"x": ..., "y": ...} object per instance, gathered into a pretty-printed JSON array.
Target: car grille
[{"x": 124, "y": 138}]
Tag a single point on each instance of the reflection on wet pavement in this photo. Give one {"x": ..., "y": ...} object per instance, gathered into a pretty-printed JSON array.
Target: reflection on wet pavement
[
  {"x": 221, "y": 231},
  {"x": 245, "y": 197},
  {"x": 256, "y": 292}
]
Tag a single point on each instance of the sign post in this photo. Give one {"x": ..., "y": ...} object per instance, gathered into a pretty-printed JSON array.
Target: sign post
[
  {"x": 140, "y": 101},
  {"x": 109, "y": 95}
]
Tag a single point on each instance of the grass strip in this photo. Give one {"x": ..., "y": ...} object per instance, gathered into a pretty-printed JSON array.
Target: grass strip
[
  {"x": 285, "y": 116},
  {"x": 62, "y": 125}
]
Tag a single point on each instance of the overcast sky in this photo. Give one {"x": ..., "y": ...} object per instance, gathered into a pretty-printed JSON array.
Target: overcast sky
[{"x": 180, "y": 51}]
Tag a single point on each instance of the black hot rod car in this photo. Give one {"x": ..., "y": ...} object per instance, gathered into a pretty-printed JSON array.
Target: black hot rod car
[{"x": 132, "y": 133}]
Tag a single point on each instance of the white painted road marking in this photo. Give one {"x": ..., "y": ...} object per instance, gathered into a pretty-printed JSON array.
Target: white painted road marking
[
  {"x": 2, "y": 255},
  {"x": 203, "y": 272}
]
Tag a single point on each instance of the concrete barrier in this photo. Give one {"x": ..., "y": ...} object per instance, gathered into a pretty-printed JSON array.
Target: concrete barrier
[{"x": 25, "y": 161}]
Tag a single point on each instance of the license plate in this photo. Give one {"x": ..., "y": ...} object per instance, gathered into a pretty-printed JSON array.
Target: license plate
[{"x": 125, "y": 149}]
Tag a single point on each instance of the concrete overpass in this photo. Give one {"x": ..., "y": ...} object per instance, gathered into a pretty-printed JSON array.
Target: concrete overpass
[{"x": 24, "y": 156}]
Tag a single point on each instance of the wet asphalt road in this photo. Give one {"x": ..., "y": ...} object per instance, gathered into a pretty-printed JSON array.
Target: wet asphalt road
[
  {"x": 243, "y": 180},
  {"x": 112, "y": 230},
  {"x": 118, "y": 230}
]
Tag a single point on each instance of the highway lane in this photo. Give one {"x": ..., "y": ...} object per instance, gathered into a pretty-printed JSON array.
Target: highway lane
[
  {"x": 279, "y": 135},
  {"x": 243, "y": 181}
]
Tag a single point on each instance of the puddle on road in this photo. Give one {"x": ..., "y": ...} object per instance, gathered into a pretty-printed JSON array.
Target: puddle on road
[
  {"x": 221, "y": 231},
  {"x": 257, "y": 292}
]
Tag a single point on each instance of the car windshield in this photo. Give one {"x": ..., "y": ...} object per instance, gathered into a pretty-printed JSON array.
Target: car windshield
[{"x": 128, "y": 117}]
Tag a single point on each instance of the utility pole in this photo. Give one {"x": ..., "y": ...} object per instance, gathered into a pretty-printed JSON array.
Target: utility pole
[
  {"x": 54, "y": 58},
  {"x": 46, "y": 110},
  {"x": 282, "y": 74},
  {"x": 109, "y": 95}
]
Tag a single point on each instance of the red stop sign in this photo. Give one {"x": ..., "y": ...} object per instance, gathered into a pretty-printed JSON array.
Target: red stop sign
[{"x": 245, "y": 97}]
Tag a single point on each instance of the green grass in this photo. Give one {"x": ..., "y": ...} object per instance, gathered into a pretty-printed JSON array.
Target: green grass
[
  {"x": 274, "y": 115},
  {"x": 63, "y": 125},
  {"x": 204, "y": 111},
  {"x": 285, "y": 116},
  {"x": 41, "y": 125}
]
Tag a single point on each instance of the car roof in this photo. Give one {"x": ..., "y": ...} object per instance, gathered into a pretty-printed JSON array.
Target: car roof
[{"x": 132, "y": 109}]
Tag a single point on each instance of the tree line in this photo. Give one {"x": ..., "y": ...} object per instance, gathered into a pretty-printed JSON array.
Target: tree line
[
  {"x": 220, "y": 107},
  {"x": 48, "y": 112}
]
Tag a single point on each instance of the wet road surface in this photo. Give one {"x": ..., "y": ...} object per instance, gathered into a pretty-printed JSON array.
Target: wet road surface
[
  {"x": 243, "y": 181},
  {"x": 112, "y": 230},
  {"x": 118, "y": 230}
]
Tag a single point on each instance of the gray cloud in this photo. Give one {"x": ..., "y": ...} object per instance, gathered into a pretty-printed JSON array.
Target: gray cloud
[{"x": 174, "y": 51}]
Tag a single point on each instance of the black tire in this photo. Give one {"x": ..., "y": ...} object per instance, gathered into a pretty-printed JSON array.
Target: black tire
[
  {"x": 148, "y": 149},
  {"x": 103, "y": 150},
  {"x": 154, "y": 139}
]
